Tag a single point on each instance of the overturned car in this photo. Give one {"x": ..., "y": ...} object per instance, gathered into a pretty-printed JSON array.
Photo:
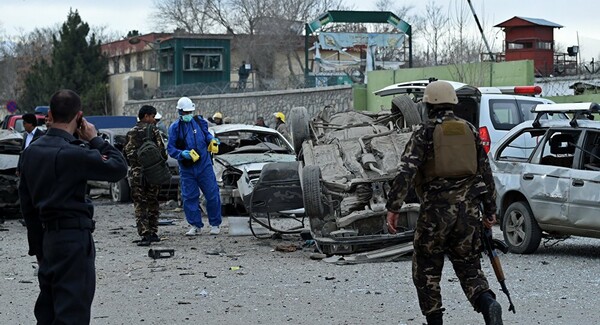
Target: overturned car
[{"x": 347, "y": 161}]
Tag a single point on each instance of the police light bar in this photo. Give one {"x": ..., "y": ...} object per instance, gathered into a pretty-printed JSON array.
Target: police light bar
[
  {"x": 521, "y": 90},
  {"x": 566, "y": 108}
]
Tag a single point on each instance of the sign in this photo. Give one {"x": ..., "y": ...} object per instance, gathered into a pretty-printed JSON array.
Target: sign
[{"x": 11, "y": 106}]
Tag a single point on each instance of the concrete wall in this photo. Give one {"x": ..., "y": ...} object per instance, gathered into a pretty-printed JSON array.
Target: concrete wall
[
  {"x": 477, "y": 74},
  {"x": 244, "y": 108}
]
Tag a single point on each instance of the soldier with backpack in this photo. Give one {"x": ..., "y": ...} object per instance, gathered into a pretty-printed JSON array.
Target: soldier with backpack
[
  {"x": 147, "y": 157},
  {"x": 448, "y": 166}
]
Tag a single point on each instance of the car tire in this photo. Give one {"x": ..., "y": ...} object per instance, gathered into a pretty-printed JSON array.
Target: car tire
[
  {"x": 119, "y": 191},
  {"x": 408, "y": 109},
  {"x": 299, "y": 129},
  {"x": 522, "y": 233},
  {"x": 311, "y": 191}
]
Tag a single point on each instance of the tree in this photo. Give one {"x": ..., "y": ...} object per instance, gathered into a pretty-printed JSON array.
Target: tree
[
  {"x": 76, "y": 63},
  {"x": 435, "y": 30}
]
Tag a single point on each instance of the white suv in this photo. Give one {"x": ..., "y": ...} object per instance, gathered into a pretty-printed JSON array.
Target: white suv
[{"x": 494, "y": 110}]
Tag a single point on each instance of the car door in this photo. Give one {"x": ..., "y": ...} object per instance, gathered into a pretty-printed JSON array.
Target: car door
[
  {"x": 584, "y": 202},
  {"x": 547, "y": 180}
]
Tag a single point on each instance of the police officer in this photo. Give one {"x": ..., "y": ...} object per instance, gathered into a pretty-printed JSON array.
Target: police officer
[
  {"x": 453, "y": 179},
  {"x": 143, "y": 194},
  {"x": 189, "y": 133},
  {"x": 54, "y": 172}
]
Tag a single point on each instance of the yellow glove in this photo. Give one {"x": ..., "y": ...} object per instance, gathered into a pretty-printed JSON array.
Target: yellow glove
[{"x": 213, "y": 146}]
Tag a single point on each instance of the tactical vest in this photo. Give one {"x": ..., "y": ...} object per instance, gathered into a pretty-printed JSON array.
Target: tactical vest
[{"x": 454, "y": 150}]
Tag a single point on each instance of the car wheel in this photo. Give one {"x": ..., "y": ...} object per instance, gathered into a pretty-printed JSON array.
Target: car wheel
[
  {"x": 119, "y": 191},
  {"x": 408, "y": 109},
  {"x": 299, "y": 129},
  {"x": 311, "y": 191},
  {"x": 522, "y": 233}
]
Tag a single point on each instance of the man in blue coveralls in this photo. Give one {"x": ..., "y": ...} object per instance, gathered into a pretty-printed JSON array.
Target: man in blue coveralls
[{"x": 189, "y": 133}]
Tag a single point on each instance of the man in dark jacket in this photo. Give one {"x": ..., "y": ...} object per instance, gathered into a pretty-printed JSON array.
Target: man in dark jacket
[
  {"x": 54, "y": 173},
  {"x": 32, "y": 133},
  {"x": 143, "y": 194}
]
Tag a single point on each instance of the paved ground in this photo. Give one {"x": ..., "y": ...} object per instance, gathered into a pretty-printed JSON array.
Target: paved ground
[{"x": 557, "y": 285}]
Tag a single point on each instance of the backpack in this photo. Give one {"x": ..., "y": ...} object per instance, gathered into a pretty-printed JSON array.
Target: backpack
[
  {"x": 455, "y": 154},
  {"x": 154, "y": 166}
]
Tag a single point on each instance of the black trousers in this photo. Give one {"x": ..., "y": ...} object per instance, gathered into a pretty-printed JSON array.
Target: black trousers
[{"x": 67, "y": 277}]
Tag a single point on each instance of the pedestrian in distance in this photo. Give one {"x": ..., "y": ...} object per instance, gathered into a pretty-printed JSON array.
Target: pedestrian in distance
[
  {"x": 216, "y": 119},
  {"x": 143, "y": 193},
  {"x": 280, "y": 125},
  {"x": 160, "y": 124},
  {"x": 243, "y": 74},
  {"x": 54, "y": 172},
  {"x": 451, "y": 173},
  {"x": 191, "y": 144},
  {"x": 260, "y": 121},
  {"x": 32, "y": 133}
]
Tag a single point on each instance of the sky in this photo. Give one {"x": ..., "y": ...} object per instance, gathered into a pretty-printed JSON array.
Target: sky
[{"x": 577, "y": 16}]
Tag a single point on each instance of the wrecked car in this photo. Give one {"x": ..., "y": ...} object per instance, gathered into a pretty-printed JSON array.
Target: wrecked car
[
  {"x": 346, "y": 161},
  {"x": 243, "y": 152},
  {"x": 547, "y": 176},
  {"x": 10, "y": 149}
]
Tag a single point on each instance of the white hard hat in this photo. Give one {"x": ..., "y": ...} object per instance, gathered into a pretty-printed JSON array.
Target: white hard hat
[
  {"x": 185, "y": 104},
  {"x": 157, "y": 116}
]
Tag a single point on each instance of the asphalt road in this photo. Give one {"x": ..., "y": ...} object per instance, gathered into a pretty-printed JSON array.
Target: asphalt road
[{"x": 242, "y": 280}]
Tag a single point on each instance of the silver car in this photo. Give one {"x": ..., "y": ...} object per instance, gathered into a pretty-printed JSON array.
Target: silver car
[{"x": 551, "y": 187}]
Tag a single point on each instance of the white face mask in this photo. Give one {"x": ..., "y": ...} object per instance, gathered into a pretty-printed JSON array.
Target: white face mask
[{"x": 187, "y": 118}]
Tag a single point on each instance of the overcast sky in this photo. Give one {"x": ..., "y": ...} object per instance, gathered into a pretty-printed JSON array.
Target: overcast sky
[{"x": 578, "y": 16}]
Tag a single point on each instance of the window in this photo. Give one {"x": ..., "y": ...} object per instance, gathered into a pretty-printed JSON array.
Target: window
[
  {"x": 559, "y": 148},
  {"x": 166, "y": 62},
  {"x": 591, "y": 151},
  {"x": 544, "y": 45},
  {"x": 519, "y": 46},
  {"x": 116, "y": 65},
  {"x": 127, "y": 63},
  {"x": 202, "y": 61},
  {"x": 505, "y": 114},
  {"x": 521, "y": 147},
  {"x": 139, "y": 62}
]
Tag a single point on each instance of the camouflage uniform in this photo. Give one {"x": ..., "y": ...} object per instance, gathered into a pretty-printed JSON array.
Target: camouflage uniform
[
  {"x": 144, "y": 196},
  {"x": 449, "y": 221}
]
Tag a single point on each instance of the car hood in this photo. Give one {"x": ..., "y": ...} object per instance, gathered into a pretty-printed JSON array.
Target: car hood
[
  {"x": 10, "y": 148},
  {"x": 237, "y": 160}
]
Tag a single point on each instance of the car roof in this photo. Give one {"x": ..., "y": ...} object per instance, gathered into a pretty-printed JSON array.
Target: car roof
[
  {"x": 418, "y": 87},
  {"x": 547, "y": 124}
]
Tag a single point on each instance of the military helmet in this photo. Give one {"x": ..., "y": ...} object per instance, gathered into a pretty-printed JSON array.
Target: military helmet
[
  {"x": 185, "y": 104},
  {"x": 440, "y": 92},
  {"x": 280, "y": 116}
]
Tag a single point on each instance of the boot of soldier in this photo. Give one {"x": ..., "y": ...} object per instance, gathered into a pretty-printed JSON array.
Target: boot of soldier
[
  {"x": 435, "y": 319},
  {"x": 490, "y": 308}
]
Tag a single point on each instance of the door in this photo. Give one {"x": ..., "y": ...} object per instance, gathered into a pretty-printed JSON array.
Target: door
[{"x": 584, "y": 202}]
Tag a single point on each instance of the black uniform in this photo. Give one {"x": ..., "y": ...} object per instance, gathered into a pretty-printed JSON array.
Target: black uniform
[{"x": 54, "y": 173}]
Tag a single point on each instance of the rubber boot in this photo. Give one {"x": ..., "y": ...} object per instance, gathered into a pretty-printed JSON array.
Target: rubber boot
[
  {"x": 435, "y": 319},
  {"x": 490, "y": 308}
]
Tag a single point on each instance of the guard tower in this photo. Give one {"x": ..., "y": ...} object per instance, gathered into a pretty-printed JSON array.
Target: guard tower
[{"x": 530, "y": 39}]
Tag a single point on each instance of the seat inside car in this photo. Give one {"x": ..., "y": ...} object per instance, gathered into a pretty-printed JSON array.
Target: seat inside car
[{"x": 561, "y": 149}]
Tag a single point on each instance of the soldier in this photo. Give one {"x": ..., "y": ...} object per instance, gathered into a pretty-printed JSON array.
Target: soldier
[
  {"x": 451, "y": 174},
  {"x": 144, "y": 195}
]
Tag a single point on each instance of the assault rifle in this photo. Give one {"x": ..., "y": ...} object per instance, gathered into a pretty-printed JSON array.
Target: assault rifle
[{"x": 489, "y": 246}]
